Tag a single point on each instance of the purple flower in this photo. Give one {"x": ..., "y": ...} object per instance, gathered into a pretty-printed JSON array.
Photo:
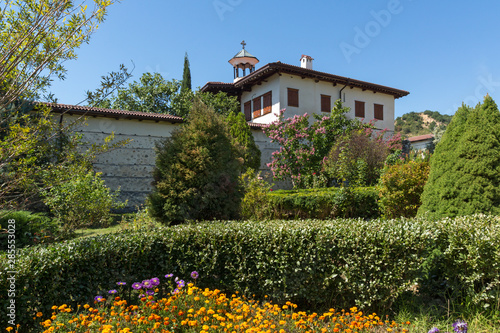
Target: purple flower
[
  {"x": 150, "y": 292},
  {"x": 168, "y": 276},
  {"x": 121, "y": 283},
  {"x": 176, "y": 291},
  {"x": 147, "y": 284},
  {"x": 194, "y": 275},
  {"x": 434, "y": 330},
  {"x": 142, "y": 295},
  {"x": 137, "y": 285},
  {"x": 99, "y": 299},
  {"x": 460, "y": 326},
  {"x": 112, "y": 291},
  {"x": 180, "y": 284},
  {"x": 155, "y": 281}
]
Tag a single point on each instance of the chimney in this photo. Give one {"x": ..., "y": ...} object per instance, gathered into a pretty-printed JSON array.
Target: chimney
[{"x": 306, "y": 62}]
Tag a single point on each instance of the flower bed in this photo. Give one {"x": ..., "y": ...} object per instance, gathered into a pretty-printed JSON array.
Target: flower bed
[{"x": 193, "y": 309}]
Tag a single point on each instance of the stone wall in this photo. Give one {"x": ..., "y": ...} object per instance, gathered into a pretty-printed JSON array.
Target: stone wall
[{"x": 130, "y": 166}]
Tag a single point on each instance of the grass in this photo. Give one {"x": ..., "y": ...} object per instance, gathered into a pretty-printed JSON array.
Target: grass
[{"x": 121, "y": 222}]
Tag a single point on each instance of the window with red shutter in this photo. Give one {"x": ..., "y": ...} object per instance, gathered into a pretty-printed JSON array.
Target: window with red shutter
[
  {"x": 247, "y": 108},
  {"x": 359, "y": 109},
  {"x": 268, "y": 100},
  {"x": 293, "y": 97},
  {"x": 257, "y": 109},
  {"x": 326, "y": 103},
  {"x": 378, "y": 111}
]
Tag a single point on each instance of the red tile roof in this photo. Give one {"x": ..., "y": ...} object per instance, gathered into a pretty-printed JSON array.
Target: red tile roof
[
  {"x": 111, "y": 113},
  {"x": 277, "y": 67},
  {"x": 121, "y": 114},
  {"x": 421, "y": 137}
]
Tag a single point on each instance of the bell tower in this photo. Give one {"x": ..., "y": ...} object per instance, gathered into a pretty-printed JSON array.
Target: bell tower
[{"x": 243, "y": 60}]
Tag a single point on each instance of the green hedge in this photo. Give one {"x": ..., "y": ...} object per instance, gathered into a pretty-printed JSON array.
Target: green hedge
[
  {"x": 314, "y": 263},
  {"x": 324, "y": 203}
]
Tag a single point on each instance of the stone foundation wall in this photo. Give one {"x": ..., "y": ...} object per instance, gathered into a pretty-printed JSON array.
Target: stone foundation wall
[{"x": 129, "y": 167}]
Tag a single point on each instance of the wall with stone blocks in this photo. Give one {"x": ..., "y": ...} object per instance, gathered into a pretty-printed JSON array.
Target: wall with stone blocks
[{"x": 129, "y": 167}]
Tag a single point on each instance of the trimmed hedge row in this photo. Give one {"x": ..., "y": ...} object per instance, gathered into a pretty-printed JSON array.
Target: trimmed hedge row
[
  {"x": 332, "y": 202},
  {"x": 314, "y": 263}
]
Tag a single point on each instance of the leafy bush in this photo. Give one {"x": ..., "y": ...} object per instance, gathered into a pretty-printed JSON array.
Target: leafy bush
[
  {"x": 30, "y": 228},
  {"x": 401, "y": 186},
  {"x": 196, "y": 172},
  {"x": 465, "y": 167},
  {"x": 304, "y": 145},
  {"x": 255, "y": 203},
  {"x": 315, "y": 263},
  {"x": 81, "y": 201},
  {"x": 357, "y": 159},
  {"x": 324, "y": 203}
]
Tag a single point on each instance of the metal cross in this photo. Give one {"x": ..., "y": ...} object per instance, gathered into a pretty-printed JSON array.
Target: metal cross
[{"x": 243, "y": 43}]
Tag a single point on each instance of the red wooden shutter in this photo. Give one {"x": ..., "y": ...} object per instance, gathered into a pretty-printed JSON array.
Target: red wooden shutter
[
  {"x": 378, "y": 111},
  {"x": 256, "y": 107},
  {"x": 247, "y": 107},
  {"x": 326, "y": 103},
  {"x": 293, "y": 97},
  {"x": 359, "y": 109},
  {"x": 267, "y": 102}
]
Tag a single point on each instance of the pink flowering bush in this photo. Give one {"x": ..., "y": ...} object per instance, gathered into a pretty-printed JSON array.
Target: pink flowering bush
[{"x": 304, "y": 145}]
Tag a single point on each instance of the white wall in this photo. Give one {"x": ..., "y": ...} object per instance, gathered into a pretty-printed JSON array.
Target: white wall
[
  {"x": 272, "y": 84},
  {"x": 310, "y": 99}
]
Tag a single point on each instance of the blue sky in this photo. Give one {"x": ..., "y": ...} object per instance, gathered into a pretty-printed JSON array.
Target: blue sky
[{"x": 442, "y": 52}]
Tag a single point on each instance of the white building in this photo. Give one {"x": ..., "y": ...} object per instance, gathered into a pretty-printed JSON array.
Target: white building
[
  {"x": 300, "y": 89},
  {"x": 421, "y": 142}
]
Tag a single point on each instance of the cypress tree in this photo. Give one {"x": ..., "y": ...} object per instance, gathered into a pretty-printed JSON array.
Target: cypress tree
[
  {"x": 186, "y": 75},
  {"x": 242, "y": 138},
  {"x": 465, "y": 168}
]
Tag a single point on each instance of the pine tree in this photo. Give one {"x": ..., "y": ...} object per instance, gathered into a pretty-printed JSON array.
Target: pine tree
[
  {"x": 186, "y": 75},
  {"x": 465, "y": 167},
  {"x": 196, "y": 172}
]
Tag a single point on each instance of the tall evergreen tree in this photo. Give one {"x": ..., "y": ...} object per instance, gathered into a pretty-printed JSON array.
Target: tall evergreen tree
[
  {"x": 243, "y": 140},
  {"x": 465, "y": 167},
  {"x": 186, "y": 75},
  {"x": 197, "y": 170}
]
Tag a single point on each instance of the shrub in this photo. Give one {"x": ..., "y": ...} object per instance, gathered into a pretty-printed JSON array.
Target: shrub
[
  {"x": 304, "y": 145},
  {"x": 30, "y": 228},
  {"x": 255, "y": 203},
  {"x": 313, "y": 263},
  {"x": 196, "y": 172},
  {"x": 465, "y": 167},
  {"x": 324, "y": 203},
  {"x": 81, "y": 201},
  {"x": 401, "y": 186},
  {"x": 357, "y": 159}
]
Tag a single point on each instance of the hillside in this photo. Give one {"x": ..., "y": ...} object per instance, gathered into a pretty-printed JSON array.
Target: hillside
[{"x": 418, "y": 123}]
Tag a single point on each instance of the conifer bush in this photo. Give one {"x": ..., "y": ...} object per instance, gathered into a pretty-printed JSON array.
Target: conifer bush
[
  {"x": 196, "y": 172},
  {"x": 465, "y": 168}
]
